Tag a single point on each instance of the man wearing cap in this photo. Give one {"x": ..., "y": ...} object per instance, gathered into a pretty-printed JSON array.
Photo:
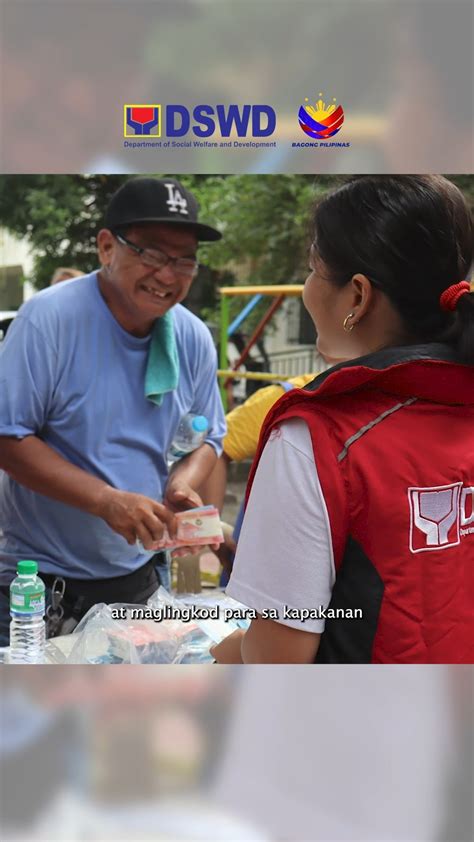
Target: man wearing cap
[{"x": 95, "y": 375}]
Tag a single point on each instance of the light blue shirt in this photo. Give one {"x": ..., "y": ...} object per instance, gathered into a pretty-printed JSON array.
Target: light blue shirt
[{"x": 71, "y": 375}]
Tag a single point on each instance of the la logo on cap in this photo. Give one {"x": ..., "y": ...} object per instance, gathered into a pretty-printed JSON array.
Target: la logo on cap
[{"x": 176, "y": 201}]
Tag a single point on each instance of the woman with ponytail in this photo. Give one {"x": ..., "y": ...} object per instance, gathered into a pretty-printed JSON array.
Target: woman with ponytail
[{"x": 358, "y": 539}]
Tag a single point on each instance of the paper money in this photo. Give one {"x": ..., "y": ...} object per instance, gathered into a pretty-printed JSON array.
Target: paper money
[{"x": 196, "y": 528}]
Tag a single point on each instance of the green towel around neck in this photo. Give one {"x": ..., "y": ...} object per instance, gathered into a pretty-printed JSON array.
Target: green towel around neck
[{"x": 162, "y": 370}]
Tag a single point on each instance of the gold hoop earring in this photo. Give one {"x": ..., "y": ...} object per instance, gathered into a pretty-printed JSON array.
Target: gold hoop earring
[{"x": 347, "y": 327}]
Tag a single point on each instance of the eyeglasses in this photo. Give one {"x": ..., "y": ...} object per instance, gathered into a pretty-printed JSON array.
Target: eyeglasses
[{"x": 158, "y": 259}]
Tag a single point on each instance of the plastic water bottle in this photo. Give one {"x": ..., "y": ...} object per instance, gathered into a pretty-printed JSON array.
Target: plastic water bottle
[
  {"x": 27, "y": 627},
  {"x": 191, "y": 432}
]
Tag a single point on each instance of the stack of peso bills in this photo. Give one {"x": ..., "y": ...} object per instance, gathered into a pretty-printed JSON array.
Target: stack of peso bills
[{"x": 196, "y": 528}]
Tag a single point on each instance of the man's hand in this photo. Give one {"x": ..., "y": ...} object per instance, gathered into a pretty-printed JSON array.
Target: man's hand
[
  {"x": 180, "y": 496},
  {"x": 226, "y": 551},
  {"x": 135, "y": 516},
  {"x": 187, "y": 475}
]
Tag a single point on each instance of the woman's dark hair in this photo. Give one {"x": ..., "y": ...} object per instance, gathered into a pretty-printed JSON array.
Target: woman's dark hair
[{"x": 412, "y": 236}]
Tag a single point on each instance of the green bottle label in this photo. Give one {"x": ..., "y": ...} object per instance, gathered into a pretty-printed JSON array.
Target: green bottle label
[{"x": 27, "y": 603}]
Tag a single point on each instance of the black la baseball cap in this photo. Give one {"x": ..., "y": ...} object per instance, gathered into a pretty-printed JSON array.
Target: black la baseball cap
[{"x": 156, "y": 200}]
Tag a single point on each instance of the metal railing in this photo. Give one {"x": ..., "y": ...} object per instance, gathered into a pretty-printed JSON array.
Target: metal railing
[
  {"x": 277, "y": 292},
  {"x": 293, "y": 361}
]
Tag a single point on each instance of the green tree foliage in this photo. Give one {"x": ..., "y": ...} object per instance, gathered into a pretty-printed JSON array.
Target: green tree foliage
[
  {"x": 58, "y": 215},
  {"x": 263, "y": 219}
]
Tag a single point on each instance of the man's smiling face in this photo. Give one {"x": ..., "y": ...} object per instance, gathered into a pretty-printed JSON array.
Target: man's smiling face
[{"x": 136, "y": 292}]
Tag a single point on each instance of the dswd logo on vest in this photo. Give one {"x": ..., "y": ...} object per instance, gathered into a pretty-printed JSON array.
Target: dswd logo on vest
[
  {"x": 142, "y": 120},
  {"x": 320, "y": 120},
  {"x": 439, "y": 516}
]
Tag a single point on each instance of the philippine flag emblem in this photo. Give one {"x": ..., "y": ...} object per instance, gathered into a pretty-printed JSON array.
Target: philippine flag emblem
[
  {"x": 142, "y": 120},
  {"x": 320, "y": 120}
]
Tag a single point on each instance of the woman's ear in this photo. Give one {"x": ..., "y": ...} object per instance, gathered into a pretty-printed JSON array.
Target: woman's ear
[{"x": 362, "y": 293}]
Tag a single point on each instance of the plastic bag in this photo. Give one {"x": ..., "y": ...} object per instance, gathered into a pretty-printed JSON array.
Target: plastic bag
[
  {"x": 216, "y": 614},
  {"x": 116, "y": 634},
  {"x": 168, "y": 630}
]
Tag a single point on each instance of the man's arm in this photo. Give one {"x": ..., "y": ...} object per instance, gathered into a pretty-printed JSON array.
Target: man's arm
[
  {"x": 188, "y": 475},
  {"x": 32, "y": 463},
  {"x": 213, "y": 489}
]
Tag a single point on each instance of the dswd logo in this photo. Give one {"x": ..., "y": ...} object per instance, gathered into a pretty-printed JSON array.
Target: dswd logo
[
  {"x": 142, "y": 120},
  {"x": 439, "y": 516},
  {"x": 320, "y": 120}
]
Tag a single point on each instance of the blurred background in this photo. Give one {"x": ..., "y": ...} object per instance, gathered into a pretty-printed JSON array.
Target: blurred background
[
  {"x": 360, "y": 754},
  {"x": 401, "y": 69},
  {"x": 210, "y": 753}
]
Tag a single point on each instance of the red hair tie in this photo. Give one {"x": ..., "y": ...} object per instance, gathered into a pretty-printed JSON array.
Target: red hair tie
[{"x": 450, "y": 297}]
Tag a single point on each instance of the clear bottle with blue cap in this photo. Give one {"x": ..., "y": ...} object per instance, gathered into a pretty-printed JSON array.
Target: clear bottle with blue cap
[
  {"x": 191, "y": 433},
  {"x": 27, "y": 606}
]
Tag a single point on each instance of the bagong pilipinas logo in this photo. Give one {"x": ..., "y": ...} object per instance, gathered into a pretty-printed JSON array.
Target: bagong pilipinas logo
[
  {"x": 142, "y": 120},
  {"x": 320, "y": 120}
]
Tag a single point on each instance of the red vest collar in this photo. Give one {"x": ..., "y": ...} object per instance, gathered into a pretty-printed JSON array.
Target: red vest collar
[{"x": 430, "y": 372}]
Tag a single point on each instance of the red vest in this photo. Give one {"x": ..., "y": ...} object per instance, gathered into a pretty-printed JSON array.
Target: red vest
[{"x": 393, "y": 441}]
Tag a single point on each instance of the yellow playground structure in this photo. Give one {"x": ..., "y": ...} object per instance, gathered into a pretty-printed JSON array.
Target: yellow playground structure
[{"x": 278, "y": 293}]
